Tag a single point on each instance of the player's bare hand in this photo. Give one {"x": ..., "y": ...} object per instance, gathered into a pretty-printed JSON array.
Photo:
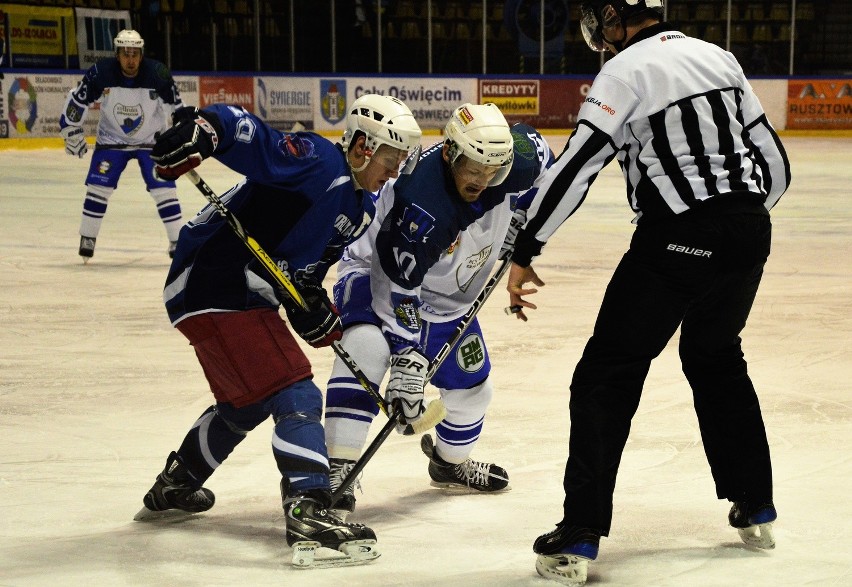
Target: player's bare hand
[{"x": 518, "y": 277}]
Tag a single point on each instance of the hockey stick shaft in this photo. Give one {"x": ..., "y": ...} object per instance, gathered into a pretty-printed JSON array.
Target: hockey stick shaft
[
  {"x": 442, "y": 354},
  {"x": 258, "y": 251},
  {"x": 275, "y": 271}
]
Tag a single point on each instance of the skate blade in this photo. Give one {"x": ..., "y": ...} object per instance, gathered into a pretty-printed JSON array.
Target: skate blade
[
  {"x": 759, "y": 536},
  {"x": 458, "y": 488},
  {"x": 146, "y": 515},
  {"x": 567, "y": 569},
  {"x": 310, "y": 555}
]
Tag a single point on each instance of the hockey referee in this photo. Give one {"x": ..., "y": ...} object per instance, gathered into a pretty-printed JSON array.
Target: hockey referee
[{"x": 703, "y": 167}]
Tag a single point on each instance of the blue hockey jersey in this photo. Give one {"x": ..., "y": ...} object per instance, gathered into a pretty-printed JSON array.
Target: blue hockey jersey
[
  {"x": 298, "y": 201},
  {"x": 428, "y": 251}
]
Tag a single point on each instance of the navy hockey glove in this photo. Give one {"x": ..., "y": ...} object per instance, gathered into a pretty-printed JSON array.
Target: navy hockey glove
[
  {"x": 75, "y": 140},
  {"x": 193, "y": 138},
  {"x": 319, "y": 325},
  {"x": 407, "y": 379}
]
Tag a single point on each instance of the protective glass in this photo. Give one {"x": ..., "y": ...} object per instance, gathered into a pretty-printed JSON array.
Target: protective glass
[
  {"x": 592, "y": 27},
  {"x": 468, "y": 171},
  {"x": 396, "y": 160}
]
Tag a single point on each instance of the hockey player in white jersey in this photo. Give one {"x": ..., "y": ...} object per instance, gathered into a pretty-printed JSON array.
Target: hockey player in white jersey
[
  {"x": 403, "y": 287},
  {"x": 703, "y": 167},
  {"x": 137, "y": 98}
]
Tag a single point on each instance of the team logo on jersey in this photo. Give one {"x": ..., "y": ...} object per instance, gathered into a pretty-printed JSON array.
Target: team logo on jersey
[
  {"x": 416, "y": 224},
  {"x": 333, "y": 99},
  {"x": 470, "y": 268},
  {"x": 405, "y": 310},
  {"x": 129, "y": 118},
  {"x": 470, "y": 353},
  {"x": 296, "y": 146}
]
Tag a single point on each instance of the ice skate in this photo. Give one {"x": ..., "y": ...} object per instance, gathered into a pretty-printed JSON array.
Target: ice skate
[
  {"x": 338, "y": 471},
  {"x": 87, "y": 248},
  {"x": 754, "y": 523},
  {"x": 172, "y": 247},
  {"x": 173, "y": 495},
  {"x": 485, "y": 477},
  {"x": 321, "y": 539},
  {"x": 564, "y": 554}
]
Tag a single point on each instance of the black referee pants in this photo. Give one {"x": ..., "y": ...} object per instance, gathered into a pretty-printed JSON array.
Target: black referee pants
[{"x": 700, "y": 272}]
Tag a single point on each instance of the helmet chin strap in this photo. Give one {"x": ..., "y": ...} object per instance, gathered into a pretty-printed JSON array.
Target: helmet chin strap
[
  {"x": 617, "y": 45},
  {"x": 368, "y": 153}
]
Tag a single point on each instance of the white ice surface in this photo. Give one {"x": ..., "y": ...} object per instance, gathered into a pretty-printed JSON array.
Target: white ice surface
[{"x": 96, "y": 388}]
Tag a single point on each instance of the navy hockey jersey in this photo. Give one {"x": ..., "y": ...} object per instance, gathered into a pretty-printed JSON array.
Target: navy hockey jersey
[{"x": 298, "y": 201}]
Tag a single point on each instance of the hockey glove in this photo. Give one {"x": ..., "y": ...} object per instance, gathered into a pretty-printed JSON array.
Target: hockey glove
[
  {"x": 319, "y": 325},
  {"x": 193, "y": 138},
  {"x": 407, "y": 379},
  {"x": 75, "y": 140}
]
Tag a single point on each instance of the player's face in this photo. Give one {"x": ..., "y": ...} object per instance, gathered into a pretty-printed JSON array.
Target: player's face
[
  {"x": 129, "y": 58},
  {"x": 471, "y": 178},
  {"x": 384, "y": 165}
]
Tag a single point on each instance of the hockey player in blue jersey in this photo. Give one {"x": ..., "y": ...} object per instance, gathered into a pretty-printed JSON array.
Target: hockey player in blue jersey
[
  {"x": 403, "y": 288},
  {"x": 137, "y": 98},
  {"x": 304, "y": 199}
]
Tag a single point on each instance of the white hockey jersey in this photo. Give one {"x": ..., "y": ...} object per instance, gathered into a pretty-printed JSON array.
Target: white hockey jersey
[
  {"x": 428, "y": 251},
  {"x": 132, "y": 110}
]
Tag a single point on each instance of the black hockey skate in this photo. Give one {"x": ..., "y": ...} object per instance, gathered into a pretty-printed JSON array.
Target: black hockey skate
[
  {"x": 172, "y": 247},
  {"x": 485, "y": 477},
  {"x": 311, "y": 527},
  {"x": 754, "y": 523},
  {"x": 174, "y": 493},
  {"x": 87, "y": 248},
  {"x": 564, "y": 553},
  {"x": 338, "y": 471}
]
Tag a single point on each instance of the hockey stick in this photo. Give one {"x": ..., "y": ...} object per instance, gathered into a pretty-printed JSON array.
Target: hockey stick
[
  {"x": 434, "y": 413},
  {"x": 441, "y": 355}
]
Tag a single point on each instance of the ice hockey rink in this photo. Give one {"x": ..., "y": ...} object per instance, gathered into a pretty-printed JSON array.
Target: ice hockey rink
[{"x": 96, "y": 388}]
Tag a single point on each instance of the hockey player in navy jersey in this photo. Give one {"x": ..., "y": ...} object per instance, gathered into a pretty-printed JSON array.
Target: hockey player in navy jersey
[
  {"x": 304, "y": 199},
  {"x": 703, "y": 167},
  {"x": 137, "y": 98},
  {"x": 403, "y": 288}
]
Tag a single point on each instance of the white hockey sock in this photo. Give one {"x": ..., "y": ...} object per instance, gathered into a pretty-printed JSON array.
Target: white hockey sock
[
  {"x": 94, "y": 208},
  {"x": 458, "y": 432},
  {"x": 349, "y": 409},
  {"x": 168, "y": 207}
]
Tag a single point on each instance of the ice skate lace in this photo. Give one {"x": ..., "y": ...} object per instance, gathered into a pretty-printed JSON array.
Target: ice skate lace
[
  {"x": 474, "y": 472},
  {"x": 338, "y": 473}
]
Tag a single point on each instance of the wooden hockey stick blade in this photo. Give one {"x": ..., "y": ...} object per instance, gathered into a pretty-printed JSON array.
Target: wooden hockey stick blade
[{"x": 431, "y": 417}]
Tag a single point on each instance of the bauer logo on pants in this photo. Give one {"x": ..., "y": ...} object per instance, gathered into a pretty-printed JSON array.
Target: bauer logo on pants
[{"x": 470, "y": 356}]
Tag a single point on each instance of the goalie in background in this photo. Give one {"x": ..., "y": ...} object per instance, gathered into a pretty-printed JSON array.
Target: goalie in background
[
  {"x": 304, "y": 199},
  {"x": 403, "y": 288},
  {"x": 703, "y": 167},
  {"x": 137, "y": 98}
]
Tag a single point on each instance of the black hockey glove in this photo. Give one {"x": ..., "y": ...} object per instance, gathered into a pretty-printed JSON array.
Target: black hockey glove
[
  {"x": 319, "y": 325},
  {"x": 193, "y": 138}
]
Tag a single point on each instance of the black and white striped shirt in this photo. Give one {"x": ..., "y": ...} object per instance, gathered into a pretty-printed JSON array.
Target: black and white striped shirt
[{"x": 685, "y": 126}]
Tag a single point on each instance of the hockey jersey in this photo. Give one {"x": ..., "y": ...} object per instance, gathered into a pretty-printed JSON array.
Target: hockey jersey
[
  {"x": 298, "y": 201},
  {"x": 132, "y": 110},
  {"x": 428, "y": 252},
  {"x": 685, "y": 126}
]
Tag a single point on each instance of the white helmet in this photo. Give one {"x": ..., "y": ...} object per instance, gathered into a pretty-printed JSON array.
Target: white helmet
[
  {"x": 385, "y": 121},
  {"x": 481, "y": 133},
  {"x": 129, "y": 38}
]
